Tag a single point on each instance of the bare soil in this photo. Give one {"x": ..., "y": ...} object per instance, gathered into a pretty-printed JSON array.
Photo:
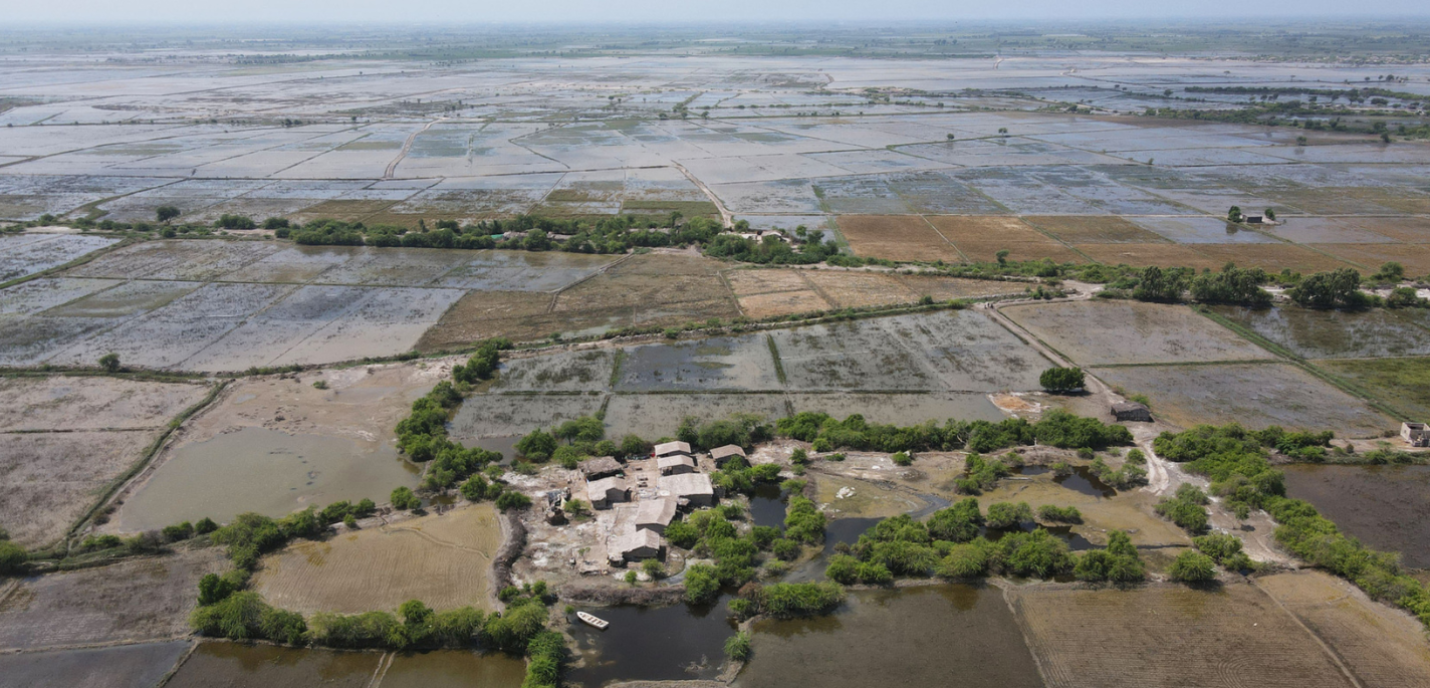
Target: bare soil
[{"x": 896, "y": 237}]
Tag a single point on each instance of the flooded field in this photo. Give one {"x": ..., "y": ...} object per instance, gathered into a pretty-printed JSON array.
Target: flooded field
[
  {"x": 1402, "y": 383},
  {"x": 267, "y": 471},
  {"x": 659, "y": 415},
  {"x": 900, "y": 409},
  {"x": 932, "y": 635},
  {"x": 673, "y": 643},
  {"x": 717, "y": 363},
  {"x": 1256, "y": 395},
  {"x": 453, "y": 669},
  {"x": 443, "y": 560},
  {"x": 518, "y": 414},
  {"x": 108, "y": 667},
  {"x": 236, "y": 665},
  {"x": 1125, "y": 332},
  {"x": 1375, "y": 333},
  {"x": 1386, "y": 507},
  {"x": 27, "y": 254}
]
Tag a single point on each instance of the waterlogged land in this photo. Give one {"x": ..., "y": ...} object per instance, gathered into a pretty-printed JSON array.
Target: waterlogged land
[
  {"x": 235, "y": 665},
  {"x": 1386, "y": 507}
]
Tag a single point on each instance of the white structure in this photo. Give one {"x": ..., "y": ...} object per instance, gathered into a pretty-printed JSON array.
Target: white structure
[
  {"x": 675, "y": 464},
  {"x": 1415, "y": 434},
  {"x": 655, "y": 514},
  {"x": 672, "y": 449},
  {"x": 692, "y": 488},
  {"x": 607, "y": 491}
]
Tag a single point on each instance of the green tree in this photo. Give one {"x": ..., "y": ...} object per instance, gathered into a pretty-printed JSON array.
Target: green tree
[
  {"x": 1337, "y": 289},
  {"x": 164, "y": 213},
  {"x": 403, "y": 499},
  {"x": 1192, "y": 567},
  {"x": 1234, "y": 215},
  {"x": 537, "y": 446},
  {"x": 957, "y": 523},
  {"x": 737, "y": 647},
  {"x": 1062, "y": 380},
  {"x": 109, "y": 362}
]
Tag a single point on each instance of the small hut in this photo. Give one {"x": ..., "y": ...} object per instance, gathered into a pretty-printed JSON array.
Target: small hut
[
  {"x": 603, "y": 467},
  {"x": 672, "y": 449},
  {"x": 1415, "y": 434},
  {"x": 1131, "y": 411},
  {"x": 675, "y": 464},
  {"x": 725, "y": 453},
  {"x": 607, "y": 491}
]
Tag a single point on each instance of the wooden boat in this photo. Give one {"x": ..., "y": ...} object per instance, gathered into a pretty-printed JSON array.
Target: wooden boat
[{"x": 593, "y": 620}]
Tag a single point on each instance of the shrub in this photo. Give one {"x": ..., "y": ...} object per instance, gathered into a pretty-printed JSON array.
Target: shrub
[
  {"x": 512, "y": 500},
  {"x": 785, "y": 549},
  {"x": 1118, "y": 563},
  {"x": 109, "y": 362},
  {"x": 12, "y": 558},
  {"x": 537, "y": 446},
  {"x": 965, "y": 561},
  {"x": 1192, "y": 567},
  {"x": 1225, "y": 550},
  {"x": 957, "y": 523},
  {"x": 1189, "y": 515},
  {"x": 403, "y": 499},
  {"x": 804, "y": 522},
  {"x": 1070, "y": 514},
  {"x": 737, "y": 647},
  {"x": 702, "y": 584},
  {"x": 175, "y": 533},
  {"x": 1006, "y": 515},
  {"x": 792, "y": 600},
  {"x": 1062, "y": 380},
  {"x": 653, "y": 569},
  {"x": 1034, "y": 554},
  {"x": 902, "y": 459}
]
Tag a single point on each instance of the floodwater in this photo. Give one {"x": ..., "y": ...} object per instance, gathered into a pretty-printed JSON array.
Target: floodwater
[
  {"x": 454, "y": 669},
  {"x": 266, "y": 471},
  {"x": 103, "y": 667},
  {"x": 1374, "y": 333},
  {"x": 1081, "y": 480},
  {"x": 235, "y": 665},
  {"x": 767, "y": 506},
  {"x": 937, "y": 635},
  {"x": 1385, "y": 507},
  {"x": 679, "y": 642}
]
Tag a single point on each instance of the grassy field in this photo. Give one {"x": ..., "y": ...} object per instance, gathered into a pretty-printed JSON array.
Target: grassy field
[
  {"x": 442, "y": 560},
  {"x": 1402, "y": 383}
]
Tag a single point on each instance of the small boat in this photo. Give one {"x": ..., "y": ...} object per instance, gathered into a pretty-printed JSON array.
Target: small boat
[{"x": 593, "y": 620}]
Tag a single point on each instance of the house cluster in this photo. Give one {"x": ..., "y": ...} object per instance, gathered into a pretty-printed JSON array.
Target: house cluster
[{"x": 648, "y": 493}]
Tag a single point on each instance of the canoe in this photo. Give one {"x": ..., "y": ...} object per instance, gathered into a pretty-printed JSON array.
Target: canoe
[{"x": 593, "y": 620}]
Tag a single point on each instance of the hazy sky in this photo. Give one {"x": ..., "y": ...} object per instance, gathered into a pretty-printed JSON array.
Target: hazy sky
[{"x": 668, "y": 11}]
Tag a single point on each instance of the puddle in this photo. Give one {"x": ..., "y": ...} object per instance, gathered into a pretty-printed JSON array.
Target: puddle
[
  {"x": 678, "y": 642},
  {"x": 1081, "y": 480},
  {"x": 272, "y": 473},
  {"x": 767, "y": 506}
]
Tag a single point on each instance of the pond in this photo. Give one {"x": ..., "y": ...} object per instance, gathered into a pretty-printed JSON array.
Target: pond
[
  {"x": 678, "y": 642},
  {"x": 266, "y": 471},
  {"x": 767, "y": 506},
  {"x": 1082, "y": 480}
]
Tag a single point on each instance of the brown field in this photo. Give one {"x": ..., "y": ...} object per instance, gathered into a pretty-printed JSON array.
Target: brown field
[
  {"x": 860, "y": 289},
  {"x": 1360, "y": 200},
  {"x": 1169, "y": 635},
  {"x": 481, "y": 314},
  {"x": 442, "y": 560},
  {"x": 748, "y": 282},
  {"x": 131, "y": 601},
  {"x": 1382, "y": 646},
  {"x": 1142, "y": 255},
  {"x": 782, "y": 303},
  {"x": 982, "y": 237},
  {"x": 654, "y": 280},
  {"x": 52, "y": 478},
  {"x": 946, "y": 288},
  {"x": 92, "y": 403},
  {"x": 896, "y": 237},
  {"x": 342, "y": 210},
  {"x": 1083, "y": 229},
  {"x": 1121, "y": 332},
  {"x": 1415, "y": 258},
  {"x": 1412, "y": 230},
  {"x": 1271, "y": 257}
]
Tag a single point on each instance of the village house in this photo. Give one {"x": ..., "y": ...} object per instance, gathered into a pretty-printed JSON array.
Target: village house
[
  {"x": 691, "y": 489},
  {"x": 607, "y": 491},
  {"x": 603, "y": 467},
  {"x": 655, "y": 514},
  {"x": 675, "y": 464},
  {"x": 1415, "y": 434},
  {"x": 1131, "y": 411},
  {"x": 725, "y": 453},
  {"x": 635, "y": 545},
  {"x": 672, "y": 449}
]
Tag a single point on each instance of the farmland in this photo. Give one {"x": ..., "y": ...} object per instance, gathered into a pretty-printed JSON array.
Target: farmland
[{"x": 1385, "y": 506}]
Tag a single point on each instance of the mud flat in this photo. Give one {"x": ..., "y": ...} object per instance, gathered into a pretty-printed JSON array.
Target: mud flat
[
  {"x": 131, "y": 601},
  {"x": 233, "y": 665},
  {"x": 934, "y": 635},
  {"x": 442, "y": 560},
  {"x": 1255, "y": 395},
  {"x": 1169, "y": 635},
  {"x": 1126, "y": 332},
  {"x": 27, "y": 254},
  {"x": 107, "y": 667},
  {"x": 1386, "y": 507}
]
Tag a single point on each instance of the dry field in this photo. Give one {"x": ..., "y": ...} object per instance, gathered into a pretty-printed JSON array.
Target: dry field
[
  {"x": 860, "y": 289},
  {"x": 132, "y": 601},
  {"x": 776, "y": 304},
  {"x": 1127, "y": 332},
  {"x": 91, "y": 403},
  {"x": 1415, "y": 257},
  {"x": 1256, "y": 395},
  {"x": 442, "y": 560},
  {"x": 1094, "y": 229},
  {"x": 1142, "y": 255},
  {"x": 123, "y": 666},
  {"x": 1169, "y": 635},
  {"x": 1411, "y": 230},
  {"x": 980, "y": 238},
  {"x": 946, "y": 288},
  {"x": 480, "y": 315},
  {"x": 749, "y": 282},
  {"x": 1272, "y": 257},
  {"x": 1381, "y": 645},
  {"x": 51, "y": 479},
  {"x": 896, "y": 237}
]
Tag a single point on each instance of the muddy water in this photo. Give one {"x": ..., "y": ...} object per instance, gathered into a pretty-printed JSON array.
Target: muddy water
[
  {"x": 767, "y": 506},
  {"x": 665, "y": 643},
  {"x": 272, "y": 473},
  {"x": 235, "y": 665},
  {"x": 1386, "y": 507},
  {"x": 454, "y": 669},
  {"x": 1081, "y": 480},
  {"x": 939, "y": 635}
]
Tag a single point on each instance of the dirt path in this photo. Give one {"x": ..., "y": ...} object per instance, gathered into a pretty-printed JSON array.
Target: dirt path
[
  {"x": 725, "y": 217},
  {"x": 406, "y": 146}
]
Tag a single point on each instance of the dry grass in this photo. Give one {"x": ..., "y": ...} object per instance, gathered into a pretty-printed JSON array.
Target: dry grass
[
  {"x": 131, "y": 601},
  {"x": 91, "y": 403},
  {"x": 52, "y": 479},
  {"x": 1142, "y": 255},
  {"x": 443, "y": 560},
  {"x": 1084, "y": 229},
  {"x": 482, "y": 314},
  {"x": 860, "y": 289},
  {"x": 946, "y": 288},
  {"x": 647, "y": 281},
  {"x": 1271, "y": 257},
  {"x": 782, "y": 303},
  {"x": 982, "y": 237},
  {"x": 1381, "y": 645},
  {"x": 1169, "y": 635},
  {"x": 1414, "y": 230},
  {"x": 1354, "y": 200},
  {"x": 749, "y": 282},
  {"x": 896, "y": 237},
  {"x": 1415, "y": 258}
]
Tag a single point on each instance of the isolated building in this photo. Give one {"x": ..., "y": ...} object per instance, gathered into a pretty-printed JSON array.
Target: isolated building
[
  {"x": 675, "y": 464},
  {"x": 1131, "y": 411},
  {"x": 672, "y": 449},
  {"x": 655, "y": 514},
  {"x": 727, "y": 452},
  {"x": 603, "y": 467},
  {"x": 1416, "y": 434},
  {"x": 692, "y": 489},
  {"x": 1254, "y": 219},
  {"x": 607, "y": 491},
  {"x": 635, "y": 545}
]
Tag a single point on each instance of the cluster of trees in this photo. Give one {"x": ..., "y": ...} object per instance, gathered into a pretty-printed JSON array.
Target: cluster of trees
[
  {"x": 1187, "y": 508},
  {"x": 483, "y": 364},
  {"x": 1130, "y": 474},
  {"x": 740, "y": 429},
  {"x": 772, "y": 250},
  {"x": 1062, "y": 380},
  {"x": 1232, "y": 285},
  {"x": 712, "y": 533},
  {"x": 788, "y": 600},
  {"x": 737, "y": 476},
  {"x": 1057, "y": 428},
  {"x": 1335, "y": 289},
  {"x": 804, "y": 522}
]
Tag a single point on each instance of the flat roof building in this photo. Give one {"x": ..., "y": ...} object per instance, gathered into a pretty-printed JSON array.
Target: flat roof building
[
  {"x": 672, "y": 448},
  {"x": 675, "y": 464},
  {"x": 694, "y": 488},
  {"x": 655, "y": 514}
]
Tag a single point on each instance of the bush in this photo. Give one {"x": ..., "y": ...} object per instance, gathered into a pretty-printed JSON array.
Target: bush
[
  {"x": 902, "y": 459},
  {"x": 958, "y": 523},
  {"x": 1070, "y": 514},
  {"x": 1225, "y": 550},
  {"x": 548, "y": 655},
  {"x": 175, "y": 533},
  {"x": 785, "y": 549},
  {"x": 965, "y": 561},
  {"x": 1192, "y": 567},
  {"x": 537, "y": 446},
  {"x": 792, "y": 600},
  {"x": 702, "y": 584},
  {"x": 1034, "y": 554},
  {"x": 1118, "y": 563},
  {"x": 110, "y": 362},
  {"x": 804, "y": 522},
  {"x": 1189, "y": 515},
  {"x": 737, "y": 647},
  {"x": 403, "y": 499},
  {"x": 1062, "y": 380},
  {"x": 513, "y": 500},
  {"x": 12, "y": 558},
  {"x": 1006, "y": 515}
]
